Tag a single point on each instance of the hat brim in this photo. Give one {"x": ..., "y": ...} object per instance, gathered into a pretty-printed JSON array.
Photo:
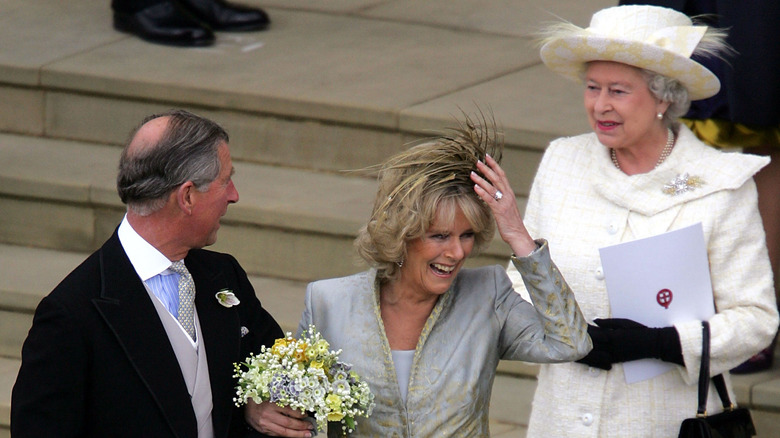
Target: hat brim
[{"x": 567, "y": 56}]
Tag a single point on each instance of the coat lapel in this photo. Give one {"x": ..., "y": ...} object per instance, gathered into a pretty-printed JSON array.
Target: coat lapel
[
  {"x": 221, "y": 328},
  {"x": 130, "y": 314}
]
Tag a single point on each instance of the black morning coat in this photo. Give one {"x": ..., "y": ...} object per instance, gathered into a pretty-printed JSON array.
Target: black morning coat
[{"x": 97, "y": 361}]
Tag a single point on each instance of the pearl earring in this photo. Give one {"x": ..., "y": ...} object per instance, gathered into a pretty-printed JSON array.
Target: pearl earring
[
  {"x": 400, "y": 264},
  {"x": 660, "y": 116}
]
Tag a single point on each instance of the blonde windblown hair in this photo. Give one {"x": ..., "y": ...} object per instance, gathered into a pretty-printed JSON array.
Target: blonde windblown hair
[{"x": 426, "y": 182}]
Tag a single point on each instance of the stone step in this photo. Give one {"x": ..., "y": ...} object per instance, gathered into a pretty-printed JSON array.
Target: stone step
[
  {"x": 358, "y": 67},
  {"x": 289, "y": 223},
  {"x": 26, "y": 276},
  {"x": 330, "y": 88}
]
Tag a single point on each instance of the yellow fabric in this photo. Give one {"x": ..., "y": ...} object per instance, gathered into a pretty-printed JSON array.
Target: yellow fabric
[{"x": 725, "y": 134}]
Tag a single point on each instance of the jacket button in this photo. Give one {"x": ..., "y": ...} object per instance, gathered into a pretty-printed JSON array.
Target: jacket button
[
  {"x": 599, "y": 273},
  {"x": 594, "y": 372},
  {"x": 587, "y": 419},
  {"x": 612, "y": 228}
]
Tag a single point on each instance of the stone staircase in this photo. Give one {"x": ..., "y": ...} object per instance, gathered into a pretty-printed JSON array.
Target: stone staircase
[{"x": 332, "y": 86}]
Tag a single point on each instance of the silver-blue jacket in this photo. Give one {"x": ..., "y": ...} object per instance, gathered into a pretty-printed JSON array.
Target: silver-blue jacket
[{"x": 479, "y": 321}]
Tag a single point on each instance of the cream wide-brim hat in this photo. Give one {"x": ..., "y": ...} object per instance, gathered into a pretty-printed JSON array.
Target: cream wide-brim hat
[{"x": 649, "y": 37}]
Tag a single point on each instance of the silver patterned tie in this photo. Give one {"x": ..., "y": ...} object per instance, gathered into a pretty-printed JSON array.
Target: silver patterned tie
[{"x": 186, "y": 297}]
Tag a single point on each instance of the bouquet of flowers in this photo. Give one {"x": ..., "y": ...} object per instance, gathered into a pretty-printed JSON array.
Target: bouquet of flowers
[{"x": 306, "y": 376}]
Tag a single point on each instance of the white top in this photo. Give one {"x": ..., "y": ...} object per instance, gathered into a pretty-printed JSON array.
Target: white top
[{"x": 402, "y": 360}]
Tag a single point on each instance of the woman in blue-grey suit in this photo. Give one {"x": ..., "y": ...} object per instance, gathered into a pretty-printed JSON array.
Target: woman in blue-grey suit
[{"x": 426, "y": 334}]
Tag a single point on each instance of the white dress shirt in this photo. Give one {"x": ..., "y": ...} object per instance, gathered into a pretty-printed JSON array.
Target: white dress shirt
[{"x": 152, "y": 267}]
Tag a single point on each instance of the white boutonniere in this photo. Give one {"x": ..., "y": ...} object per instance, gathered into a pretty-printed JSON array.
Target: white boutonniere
[{"x": 227, "y": 298}]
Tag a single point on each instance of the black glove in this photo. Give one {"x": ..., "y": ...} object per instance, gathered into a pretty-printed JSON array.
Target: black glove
[{"x": 623, "y": 340}]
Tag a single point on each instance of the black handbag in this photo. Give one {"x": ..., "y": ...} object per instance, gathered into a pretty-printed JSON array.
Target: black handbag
[{"x": 733, "y": 422}]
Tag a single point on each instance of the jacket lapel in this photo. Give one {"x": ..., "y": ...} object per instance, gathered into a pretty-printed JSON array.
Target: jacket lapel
[
  {"x": 128, "y": 311},
  {"x": 220, "y": 327}
]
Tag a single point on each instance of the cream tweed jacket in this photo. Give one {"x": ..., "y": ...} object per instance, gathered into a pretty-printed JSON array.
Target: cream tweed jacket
[{"x": 580, "y": 202}]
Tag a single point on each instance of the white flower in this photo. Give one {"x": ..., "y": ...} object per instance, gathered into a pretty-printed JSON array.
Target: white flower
[
  {"x": 299, "y": 373},
  {"x": 227, "y": 298}
]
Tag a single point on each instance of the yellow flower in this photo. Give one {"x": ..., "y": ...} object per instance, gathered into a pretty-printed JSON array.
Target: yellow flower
[
  {"x": 316, "y": 364},
  {"x": 322, "y": 346},
  {"x": 335, "y": 416},
  {"x": 278, "y": 345},
  {"x": 334, "y": 402}
]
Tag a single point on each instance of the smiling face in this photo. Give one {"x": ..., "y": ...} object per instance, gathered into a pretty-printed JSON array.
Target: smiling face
[
  {"x": 621, "y": 109},
  {"x": 434, "y": 260}
]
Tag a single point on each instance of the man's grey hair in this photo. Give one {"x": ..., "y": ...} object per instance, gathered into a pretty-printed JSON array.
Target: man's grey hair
[{"x": 187, "y": 151}]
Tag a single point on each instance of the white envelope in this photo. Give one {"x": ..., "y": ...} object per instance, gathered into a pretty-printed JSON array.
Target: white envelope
[{"x": 659, "y": 281}]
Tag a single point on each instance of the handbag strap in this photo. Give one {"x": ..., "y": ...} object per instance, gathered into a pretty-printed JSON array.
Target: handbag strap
[
  {"x": 704, "y": 376},
  {"x": 704, "y": 369},
  {"x": 720, "y": 385}
]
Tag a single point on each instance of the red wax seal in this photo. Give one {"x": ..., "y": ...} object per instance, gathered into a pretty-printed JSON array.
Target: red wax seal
[{"x": 664, "y": 298}]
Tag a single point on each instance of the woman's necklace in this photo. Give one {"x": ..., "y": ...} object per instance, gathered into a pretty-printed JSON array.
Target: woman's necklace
[{"x": 664, "y": 153}]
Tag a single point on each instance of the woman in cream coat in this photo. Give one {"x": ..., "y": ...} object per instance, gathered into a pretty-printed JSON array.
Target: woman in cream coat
[
  {"x": 424, "y": 333},
  {"x": 641, "y": 174}
]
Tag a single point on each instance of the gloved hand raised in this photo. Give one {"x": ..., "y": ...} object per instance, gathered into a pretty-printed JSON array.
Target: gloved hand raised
[{"x": 622, "y": 340}]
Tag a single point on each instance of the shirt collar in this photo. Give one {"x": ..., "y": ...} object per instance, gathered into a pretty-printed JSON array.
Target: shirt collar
[{"x": 145, "y": 258}]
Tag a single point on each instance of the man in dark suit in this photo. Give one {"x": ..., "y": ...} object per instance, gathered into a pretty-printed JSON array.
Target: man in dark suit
[
  {"x": 134, "y": 344},
  {"x": 188, "y": 23}
]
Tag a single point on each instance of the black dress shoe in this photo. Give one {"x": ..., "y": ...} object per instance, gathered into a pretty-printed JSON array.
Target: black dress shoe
[
  {"x": 220, "y": 15},
  {"x": 163, "y": 23}
]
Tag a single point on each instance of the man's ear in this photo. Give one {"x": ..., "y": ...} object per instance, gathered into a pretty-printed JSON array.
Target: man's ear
[{"x": 185, "y": 198}]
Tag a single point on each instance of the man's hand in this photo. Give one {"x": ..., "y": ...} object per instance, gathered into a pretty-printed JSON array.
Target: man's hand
[{"x": 270, "y": 419}]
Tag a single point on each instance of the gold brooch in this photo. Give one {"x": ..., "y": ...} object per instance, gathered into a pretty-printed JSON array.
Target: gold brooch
[{"x": 682, "y": 183}]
